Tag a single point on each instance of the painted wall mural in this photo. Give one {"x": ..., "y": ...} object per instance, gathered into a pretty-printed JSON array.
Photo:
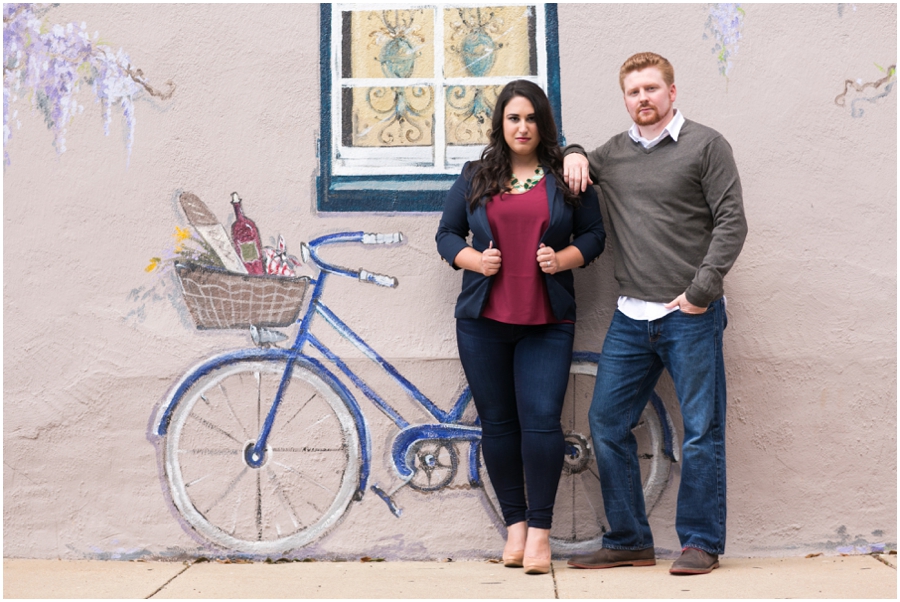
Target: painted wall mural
[
  {"x": 51, "y": 63},
  {"x": 724, "y": 27},
  {"x": 317, "y": 410},
  {"x": 869, "y": 93},
  {"x": 263, "y": 450}
]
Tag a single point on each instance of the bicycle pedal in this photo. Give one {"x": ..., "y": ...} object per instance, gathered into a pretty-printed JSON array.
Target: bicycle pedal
[{"x": 395, "y": 510}]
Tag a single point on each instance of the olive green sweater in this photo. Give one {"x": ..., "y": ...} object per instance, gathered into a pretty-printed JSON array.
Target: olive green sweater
[{"x": 675, "y": 211}]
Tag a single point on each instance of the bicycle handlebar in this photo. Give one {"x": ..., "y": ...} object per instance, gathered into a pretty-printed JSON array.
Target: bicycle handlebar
[
  {"x": 309, "y": 252},
  {"x": 382, "y": 239},
  {"x": 379, "y": 279},
  {"x": 366, "y": 238}
]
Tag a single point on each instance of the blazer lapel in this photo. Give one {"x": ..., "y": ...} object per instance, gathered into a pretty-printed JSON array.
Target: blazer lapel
[
  {"x": 555, "y": 203},
  {"x": 478, "y": 223}
]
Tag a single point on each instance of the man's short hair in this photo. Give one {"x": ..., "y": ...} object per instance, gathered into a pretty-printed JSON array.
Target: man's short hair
[{"x": 642, "y": 60}]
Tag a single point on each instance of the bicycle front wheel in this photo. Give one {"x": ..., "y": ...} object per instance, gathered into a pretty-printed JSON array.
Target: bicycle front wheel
[{"x": 310, "y": 470}]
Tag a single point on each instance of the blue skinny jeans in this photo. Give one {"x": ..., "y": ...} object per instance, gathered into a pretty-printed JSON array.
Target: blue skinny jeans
[
  {"x": 634, "y": 355},
  {"x": 518, "y": 375}
]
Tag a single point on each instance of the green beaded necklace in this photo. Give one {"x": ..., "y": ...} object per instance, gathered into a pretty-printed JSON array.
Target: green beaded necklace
[{"x": 529, "y": 183}]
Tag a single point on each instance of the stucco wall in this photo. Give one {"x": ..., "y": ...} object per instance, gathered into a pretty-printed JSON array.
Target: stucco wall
[{"x": 811, "y": 342}]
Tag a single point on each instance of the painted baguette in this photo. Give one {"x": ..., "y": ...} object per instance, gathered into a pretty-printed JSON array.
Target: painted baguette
[{"x": 205, "y": 222}]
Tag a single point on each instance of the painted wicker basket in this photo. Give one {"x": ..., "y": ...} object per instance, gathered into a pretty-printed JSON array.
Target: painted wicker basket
[{"x": 217, "y": 298}]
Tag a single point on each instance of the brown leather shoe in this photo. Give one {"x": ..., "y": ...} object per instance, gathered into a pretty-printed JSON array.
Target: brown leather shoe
[
  {"x": 694, "y": 562},
  {"x": 605, "y": 558}
]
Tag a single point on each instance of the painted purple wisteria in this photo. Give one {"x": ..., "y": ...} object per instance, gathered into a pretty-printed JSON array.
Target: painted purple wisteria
[
  {"x": 50, "y": 63},
  {"x": 724, "y": 26}
]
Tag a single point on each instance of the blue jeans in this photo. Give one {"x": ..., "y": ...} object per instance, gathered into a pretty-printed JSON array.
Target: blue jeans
[
  {"x": 634, "y": 355},
  {"x": 518, "y": 375}
]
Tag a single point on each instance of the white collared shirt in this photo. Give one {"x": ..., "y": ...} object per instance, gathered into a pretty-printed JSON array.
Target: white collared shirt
[
  {"x": 638, "y": 309},
  {"x": 673, "y": 128}
]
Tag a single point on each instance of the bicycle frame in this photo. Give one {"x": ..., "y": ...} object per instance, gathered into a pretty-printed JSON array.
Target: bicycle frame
[{"x": 448, "y": 427}]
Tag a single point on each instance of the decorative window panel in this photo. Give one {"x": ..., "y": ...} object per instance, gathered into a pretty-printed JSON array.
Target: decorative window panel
[{"x": 408, "y": 93}]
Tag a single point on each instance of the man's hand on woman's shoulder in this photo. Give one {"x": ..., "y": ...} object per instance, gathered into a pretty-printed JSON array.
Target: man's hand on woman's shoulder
[{"x": 576, "y": 172}]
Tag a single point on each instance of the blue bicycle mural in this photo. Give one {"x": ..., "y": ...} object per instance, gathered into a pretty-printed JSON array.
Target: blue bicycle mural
[{"x": 264, "y": 450}]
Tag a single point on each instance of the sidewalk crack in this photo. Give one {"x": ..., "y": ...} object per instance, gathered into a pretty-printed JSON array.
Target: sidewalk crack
[
  {"x": 174, "y": 577},
  {"x": 553, "y": 574}
]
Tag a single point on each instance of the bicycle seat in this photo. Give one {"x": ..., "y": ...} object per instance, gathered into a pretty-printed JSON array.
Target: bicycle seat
[{"x": 266, "y": 336}]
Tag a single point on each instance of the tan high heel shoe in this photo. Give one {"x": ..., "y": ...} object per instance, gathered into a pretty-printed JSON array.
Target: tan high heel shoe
[
  {"x": 536, "y": 566},
  {"x": 516, "y": 533},
  {"x": 514, "y": 559}
]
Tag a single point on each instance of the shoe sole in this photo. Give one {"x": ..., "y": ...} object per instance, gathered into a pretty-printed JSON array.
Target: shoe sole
[
  {"x": 610, "y": 565},
  {"x": 693, "y": 571}
]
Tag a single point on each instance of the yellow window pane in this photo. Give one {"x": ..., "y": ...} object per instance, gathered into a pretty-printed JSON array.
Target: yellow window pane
[
  {"x": 488, "y": 41},
  {"x": 388, "y": 117},
  {"x": 469, "y": 113},
  {"x": 388, "y": 43}
]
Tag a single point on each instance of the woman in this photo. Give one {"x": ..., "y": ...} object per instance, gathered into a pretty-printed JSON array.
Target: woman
[{"x": 516, "y": 312}]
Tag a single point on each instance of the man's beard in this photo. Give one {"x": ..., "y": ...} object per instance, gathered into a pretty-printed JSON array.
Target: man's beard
[{"x": 650, "y": 119}]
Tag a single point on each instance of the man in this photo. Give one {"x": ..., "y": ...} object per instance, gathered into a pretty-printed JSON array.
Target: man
[{"x": 674, "y": 201}]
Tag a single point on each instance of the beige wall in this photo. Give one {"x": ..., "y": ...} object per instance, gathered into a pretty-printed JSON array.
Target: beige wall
[{"x": 811, "y": 343}]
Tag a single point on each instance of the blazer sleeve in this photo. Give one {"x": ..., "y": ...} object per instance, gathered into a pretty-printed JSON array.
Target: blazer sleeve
[
  {"x": 454, "y": 226},
  {"x": 588, "y": 233}
]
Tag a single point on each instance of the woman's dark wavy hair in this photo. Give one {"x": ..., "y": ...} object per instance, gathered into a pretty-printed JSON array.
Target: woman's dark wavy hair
[{"x": 491, "y": 175}]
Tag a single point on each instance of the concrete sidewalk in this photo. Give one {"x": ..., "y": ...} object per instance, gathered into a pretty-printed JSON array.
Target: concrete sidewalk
[{"x": 819, "y": 577}]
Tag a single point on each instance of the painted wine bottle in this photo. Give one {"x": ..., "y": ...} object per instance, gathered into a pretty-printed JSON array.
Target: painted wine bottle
[{"x": 245, "y": 236}]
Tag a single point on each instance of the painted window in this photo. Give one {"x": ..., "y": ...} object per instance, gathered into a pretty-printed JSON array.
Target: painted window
[{"x": 408, "y": 93}]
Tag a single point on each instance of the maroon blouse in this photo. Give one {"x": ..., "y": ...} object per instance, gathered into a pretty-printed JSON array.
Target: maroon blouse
[{"x": 519, "y": 293}]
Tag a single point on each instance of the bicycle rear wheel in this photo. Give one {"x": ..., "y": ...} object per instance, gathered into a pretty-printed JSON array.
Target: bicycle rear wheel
[
  {"x": 579, "y": 520},
  {"x": 309, "y": 474}
]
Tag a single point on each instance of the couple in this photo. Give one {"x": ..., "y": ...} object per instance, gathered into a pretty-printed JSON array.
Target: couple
[{"x": 674, "y": 203}]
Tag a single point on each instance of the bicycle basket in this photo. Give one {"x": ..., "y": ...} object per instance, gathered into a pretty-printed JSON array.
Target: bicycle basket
[{"x": 217, "y": 298}]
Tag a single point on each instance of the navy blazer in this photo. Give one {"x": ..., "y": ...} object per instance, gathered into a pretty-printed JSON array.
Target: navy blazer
[{"x": 581, "y": 227}]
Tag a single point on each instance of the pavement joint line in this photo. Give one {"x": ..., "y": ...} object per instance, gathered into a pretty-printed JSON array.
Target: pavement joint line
[
  {"x": 555, "y": 588},
  {"x": 174, "y": 577}
]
